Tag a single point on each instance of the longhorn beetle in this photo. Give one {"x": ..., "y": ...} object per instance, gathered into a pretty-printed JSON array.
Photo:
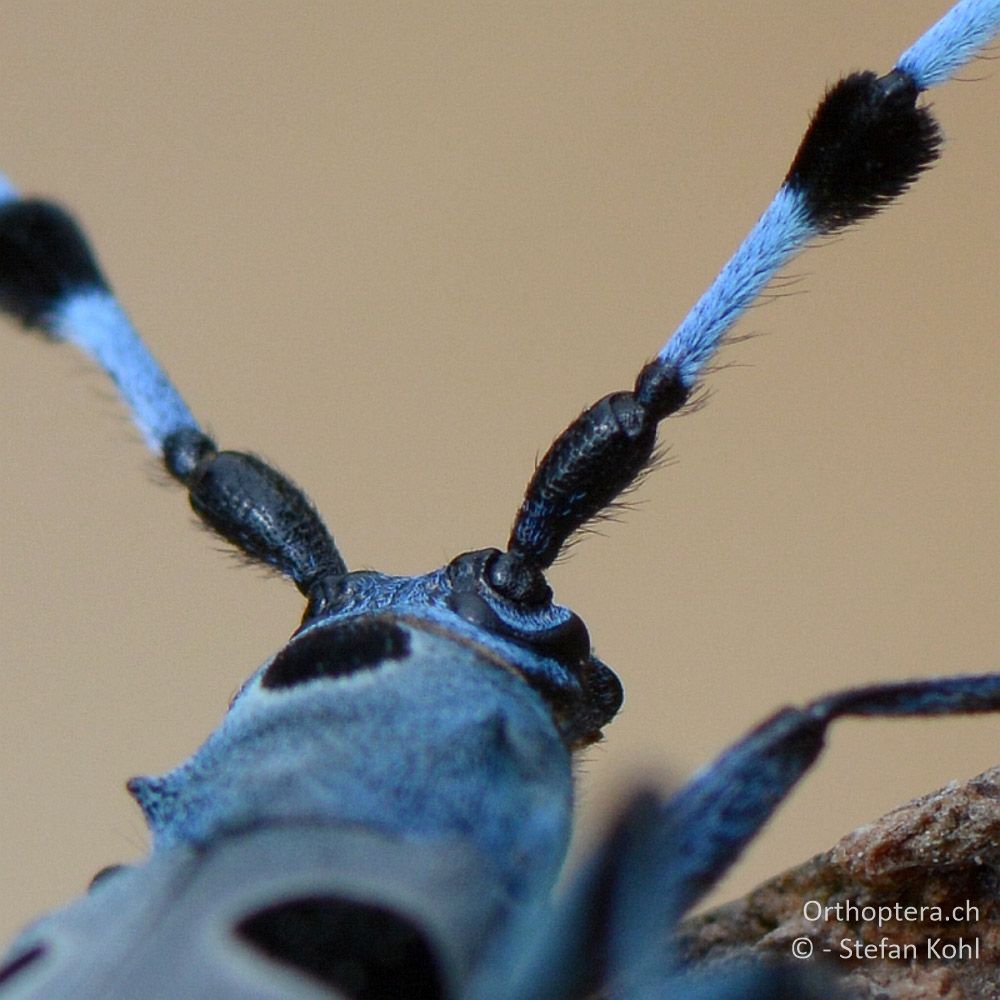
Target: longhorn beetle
[{"x": 410, "y": 830}]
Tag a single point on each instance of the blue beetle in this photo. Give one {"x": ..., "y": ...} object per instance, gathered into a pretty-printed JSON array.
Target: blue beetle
[{"x": 481, "y": 683}]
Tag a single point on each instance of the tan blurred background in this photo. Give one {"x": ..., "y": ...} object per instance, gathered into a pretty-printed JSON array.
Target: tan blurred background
[{"x": 396, "y": 248}]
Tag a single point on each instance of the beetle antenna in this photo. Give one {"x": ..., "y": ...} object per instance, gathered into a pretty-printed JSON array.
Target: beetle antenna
[
  {"x": 866, "y": 144},
  {"x": 51, "y": 282}
]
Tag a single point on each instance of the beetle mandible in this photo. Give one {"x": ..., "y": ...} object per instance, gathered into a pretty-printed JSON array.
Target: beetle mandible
[{"x": 335, "y": 525}]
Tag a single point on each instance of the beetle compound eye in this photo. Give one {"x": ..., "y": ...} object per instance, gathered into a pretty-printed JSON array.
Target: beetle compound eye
[
  {"x": 568, "y": 642},
  {"x": 337, "y": 650},
  {"x": 363, "y": 951},
  {"x": 473, "y": 609}
]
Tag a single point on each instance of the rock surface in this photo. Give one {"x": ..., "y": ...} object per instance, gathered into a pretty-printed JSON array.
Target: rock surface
[{"x": 933, "y": 866}]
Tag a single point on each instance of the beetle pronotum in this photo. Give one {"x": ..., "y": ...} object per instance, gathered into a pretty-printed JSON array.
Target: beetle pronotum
[{"x": 623, "y": 299}]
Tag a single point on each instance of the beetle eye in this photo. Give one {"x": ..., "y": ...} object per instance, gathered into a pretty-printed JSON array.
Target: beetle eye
[
  {"x": 475, "y": 610},
  {"x": 568, "y": 642}
]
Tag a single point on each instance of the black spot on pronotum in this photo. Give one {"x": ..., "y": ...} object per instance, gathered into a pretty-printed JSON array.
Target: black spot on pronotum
[
  {"x": 337, "y": 650},
  {"x": 19, "y": 964},
  {"x": 364, "y": 951}
]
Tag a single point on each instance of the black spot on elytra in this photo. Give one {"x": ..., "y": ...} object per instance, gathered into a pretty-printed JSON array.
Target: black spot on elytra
[
  {"x": 19, "y": 964},
  {"x": 366, "y": 952},
  {"x": 337, "y": 650}
]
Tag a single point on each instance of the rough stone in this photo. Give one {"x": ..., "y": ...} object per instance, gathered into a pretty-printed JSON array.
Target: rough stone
[{"x": 940, "y": 852}]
